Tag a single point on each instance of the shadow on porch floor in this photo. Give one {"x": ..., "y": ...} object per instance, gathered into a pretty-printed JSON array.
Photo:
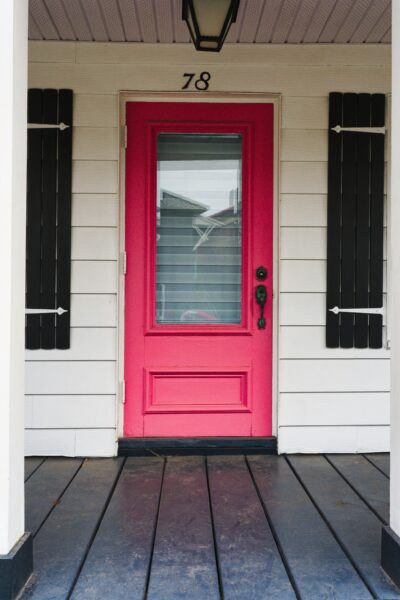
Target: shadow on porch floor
[{"x": 198, "y": 528}]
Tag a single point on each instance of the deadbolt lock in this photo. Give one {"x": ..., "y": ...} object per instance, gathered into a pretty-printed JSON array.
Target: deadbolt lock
[{"x": 261, "y": 273}]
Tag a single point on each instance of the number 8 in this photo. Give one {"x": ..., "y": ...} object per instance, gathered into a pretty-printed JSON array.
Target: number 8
[{"x": 202, "y": 83}]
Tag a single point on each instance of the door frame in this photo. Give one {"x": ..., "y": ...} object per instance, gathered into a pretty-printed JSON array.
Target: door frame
[{"x": 220, "y": 97}]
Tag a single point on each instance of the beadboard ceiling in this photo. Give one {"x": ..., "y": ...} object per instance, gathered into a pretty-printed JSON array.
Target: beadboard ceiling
[{"x": 259, "y": 21}]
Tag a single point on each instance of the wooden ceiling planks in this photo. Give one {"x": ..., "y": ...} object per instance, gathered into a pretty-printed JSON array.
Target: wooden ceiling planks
[
  {"x": 302, "y": 21},
  {"x": 318, "y": 20},
  {"x": 165, "y": 22},
  {"x": 250, "y": 24},
  {"x": 289, "y": 10},
  {"x": 95, "y": 20},
  {"x": 34, "y": 31},
  {"x": 78, "y": 20},
  {"x": 373, "y": 14},
  {"x": 130, "y": 21},
  {"x": 381, "y": 27},
  {"x": 43, "y": 21},
  {"x": 259, "y": 21},
  {"x": 335, "y": 20},
  {"x": 112, "y": 18}
]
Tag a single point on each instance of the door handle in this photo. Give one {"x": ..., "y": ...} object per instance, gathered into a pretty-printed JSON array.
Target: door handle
[{"x": 261, "y": 299}]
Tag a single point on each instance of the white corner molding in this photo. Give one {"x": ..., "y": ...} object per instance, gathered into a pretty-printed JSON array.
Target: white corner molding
[
  {"x": 13, "y": 76},
  {"x": 339, "y": 129},
  {"x": 363, "y": 311},
  {"x": 60, "y": 126},
  {"x": 394, "y": 277}
]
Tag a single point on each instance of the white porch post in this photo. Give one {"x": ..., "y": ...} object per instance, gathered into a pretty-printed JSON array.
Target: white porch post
[
  {"x": 395, "y": 279},
  {"x": 391, "y": 535},
  {"x": 13, "y": 77}
]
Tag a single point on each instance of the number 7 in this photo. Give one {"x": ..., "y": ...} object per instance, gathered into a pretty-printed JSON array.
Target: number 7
[{"x": 190, "y": 77}]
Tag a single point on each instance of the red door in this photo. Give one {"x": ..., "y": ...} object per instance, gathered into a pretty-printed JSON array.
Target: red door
[{"x": 198, "y": 308}]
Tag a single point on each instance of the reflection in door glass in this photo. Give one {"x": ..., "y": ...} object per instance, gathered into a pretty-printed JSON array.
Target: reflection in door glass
[{"x": 199, "y": 229}]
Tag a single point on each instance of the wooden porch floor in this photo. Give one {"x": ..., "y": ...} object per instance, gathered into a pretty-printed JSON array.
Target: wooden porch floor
[{"x": 198, "y": 528}]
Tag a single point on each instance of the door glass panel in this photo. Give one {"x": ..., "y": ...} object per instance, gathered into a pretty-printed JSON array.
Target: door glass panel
[{"x": 199, "y": 229}]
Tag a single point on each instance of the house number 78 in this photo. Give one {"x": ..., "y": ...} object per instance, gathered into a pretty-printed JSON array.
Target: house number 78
[{"x": 201, "y": 83}]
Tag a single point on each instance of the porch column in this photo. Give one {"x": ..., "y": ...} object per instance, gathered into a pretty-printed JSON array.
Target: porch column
[
  {"x": 15, "y": 546},
  {"x": 391, "y": 535}
]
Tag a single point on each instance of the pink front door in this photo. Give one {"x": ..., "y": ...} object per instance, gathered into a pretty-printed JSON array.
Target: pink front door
[{"x": 199, "y": 223}]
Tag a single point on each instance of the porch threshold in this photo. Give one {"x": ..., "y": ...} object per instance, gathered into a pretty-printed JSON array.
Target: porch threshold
[{"x": 200, "y": 446}]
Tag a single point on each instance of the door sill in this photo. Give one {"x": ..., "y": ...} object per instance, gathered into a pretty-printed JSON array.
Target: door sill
[{"x": 199, "y": 446}]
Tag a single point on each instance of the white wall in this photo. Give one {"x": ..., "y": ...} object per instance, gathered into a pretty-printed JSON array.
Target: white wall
[{"x": 330, "y": 400}]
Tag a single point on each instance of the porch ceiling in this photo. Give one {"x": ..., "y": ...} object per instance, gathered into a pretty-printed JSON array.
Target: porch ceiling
[{"x": 259, "y": 21}]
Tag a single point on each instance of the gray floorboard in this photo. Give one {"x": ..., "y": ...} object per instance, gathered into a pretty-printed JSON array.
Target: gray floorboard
[
  {"x": 251, "y": 566},
  {"x": 370, "y": 483},
  {"x": 31, "y": 464},
  {"x": 380, "y": 460},
  {"x": 117, "y": 563},
  {"x": 355, "y": 525},
  {"x": 63, "y": 540},
  {"x": 305, "y": 539},
  {"x": 197, "y": 528},
  {"x": 184, "y": 565},
  {"x": 43, "y": 490}
]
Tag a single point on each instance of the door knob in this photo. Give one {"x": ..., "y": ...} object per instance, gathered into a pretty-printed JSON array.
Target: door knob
[{"x": 261, "y": 299}]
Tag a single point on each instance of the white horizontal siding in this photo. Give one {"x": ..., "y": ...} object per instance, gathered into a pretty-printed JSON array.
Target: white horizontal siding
[
  {"x": 304, "y": 145},
  {"x": 303, "y": 276},
  {"x": 303, "y": 243},
  {"x": 306, "y": 243},
  {"x": 362, "y": 408},
  {"x": 334, "y": 439},
  {"x": 278, "y": 55},
  {"x": 70, "y": 412},
  {"x": 306, "y": 309},
  {"x": 304, "y": 177},
  {"x": 94, "y": 176},
  {"x": 305, "y": 112},
  {"x": 306, "y": 210},
  {"x": 307, "y": 275},
  {"x": 303, "y": 210},
  {"x": 95, "y": 110},
  {"x": 326, "y": 402},
  {"x": 94, "y": 243},
  {"x": 70, "y": 377},
  {"x": 330, "y": 405},
  {"x": 94, "y": 277},
  {"x": 100, "y": 79},
  {"x": 95, "y": 143},
  {"x": 302, "y": 309},
  {"x": 94, "y": 210},
  {"x": 309, "y": 342},
  {"x": 86, "y": 344},
  {"x": 336, "y": 375},
  {"x": 93, "y": 310},
  {"x": 70, "y": 442}
]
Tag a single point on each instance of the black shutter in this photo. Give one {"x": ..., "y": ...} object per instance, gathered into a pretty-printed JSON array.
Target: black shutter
[
  {"x": 48, "y": 234},
  {"x": 64, "y": 219},
  {"x": 355, "y": 220},
  {"x": 376, "y": 232},
  {"x": 34, "y": 218},
  {"x": 348, "y": 230},
  {"x": 334, "y": 218}
]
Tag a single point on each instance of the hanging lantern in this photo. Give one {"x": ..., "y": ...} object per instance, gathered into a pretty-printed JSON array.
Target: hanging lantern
[{"x": 209, "y": 21}]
